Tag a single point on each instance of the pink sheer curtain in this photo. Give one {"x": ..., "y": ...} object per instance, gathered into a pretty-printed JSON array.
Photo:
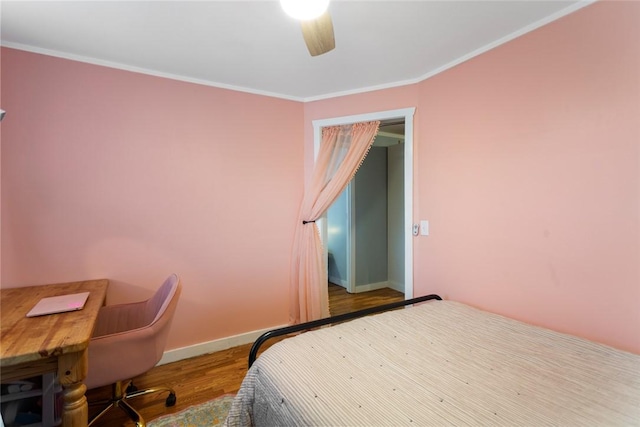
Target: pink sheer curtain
[{"x": 342, "y": 150}]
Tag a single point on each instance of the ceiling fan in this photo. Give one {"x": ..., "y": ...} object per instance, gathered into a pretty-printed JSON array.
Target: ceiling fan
[{"x": 315, "y": 21}]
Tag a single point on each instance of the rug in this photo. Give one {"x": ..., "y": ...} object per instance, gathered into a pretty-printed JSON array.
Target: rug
[{"x": 210, "y": 413}]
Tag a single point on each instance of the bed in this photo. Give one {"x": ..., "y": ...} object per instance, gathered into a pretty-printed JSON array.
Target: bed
[{"x": 439, "y": 363}]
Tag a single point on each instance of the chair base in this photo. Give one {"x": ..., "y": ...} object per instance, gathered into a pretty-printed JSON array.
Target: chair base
[{"x": 125, "y": 390}]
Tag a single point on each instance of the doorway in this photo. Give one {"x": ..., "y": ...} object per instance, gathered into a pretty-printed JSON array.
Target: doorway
[
  {"x": 365, "y": 239},
  {"x": 400, "y": 247}
]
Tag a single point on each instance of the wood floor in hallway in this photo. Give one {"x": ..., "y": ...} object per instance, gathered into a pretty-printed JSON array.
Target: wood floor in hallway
[{"x": 202, "y": 378}]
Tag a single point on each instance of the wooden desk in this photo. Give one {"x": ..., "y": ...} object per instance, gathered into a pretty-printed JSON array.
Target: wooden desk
[{"x": 53, "y": 343}]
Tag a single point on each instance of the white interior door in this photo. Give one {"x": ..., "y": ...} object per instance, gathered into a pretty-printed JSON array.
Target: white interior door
[{"x": 395, "y": 217}]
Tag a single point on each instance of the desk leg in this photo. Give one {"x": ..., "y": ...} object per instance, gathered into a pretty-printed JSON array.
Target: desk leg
[{"x": 72, "y": 370}]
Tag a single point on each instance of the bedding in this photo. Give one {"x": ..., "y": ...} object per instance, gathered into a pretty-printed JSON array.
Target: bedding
[{"x": 439, "y": 363}]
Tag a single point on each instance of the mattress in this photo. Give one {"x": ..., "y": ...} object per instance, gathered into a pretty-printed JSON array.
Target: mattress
[{"x": 439, "y": 363}]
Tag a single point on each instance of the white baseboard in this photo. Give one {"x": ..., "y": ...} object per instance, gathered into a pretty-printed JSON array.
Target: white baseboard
[
  {"x": 211, "y": 346},
  {"x": 338, "y": 281},
  {"x": 396, "y": 286},
  {"x": 371, "y": 287}
]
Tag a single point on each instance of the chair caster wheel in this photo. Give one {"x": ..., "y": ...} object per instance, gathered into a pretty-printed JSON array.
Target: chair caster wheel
[
  {"x": 131, "y": 388},
  {"x": 171, "y": 400}
]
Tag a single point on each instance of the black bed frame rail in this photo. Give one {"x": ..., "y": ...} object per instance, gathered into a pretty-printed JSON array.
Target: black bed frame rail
[{"x": 253, "y": 354}]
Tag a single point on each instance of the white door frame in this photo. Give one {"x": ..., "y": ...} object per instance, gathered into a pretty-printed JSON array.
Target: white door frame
[{"x": 407, "y": 115}]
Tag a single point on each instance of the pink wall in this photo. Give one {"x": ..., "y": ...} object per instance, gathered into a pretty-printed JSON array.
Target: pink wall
[
  {"x": 527, "y": 166},
  {"x": 108, "y": 173}
]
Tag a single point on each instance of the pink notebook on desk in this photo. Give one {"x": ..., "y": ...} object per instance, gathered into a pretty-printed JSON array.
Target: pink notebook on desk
[{"x": 59, "y": 304}]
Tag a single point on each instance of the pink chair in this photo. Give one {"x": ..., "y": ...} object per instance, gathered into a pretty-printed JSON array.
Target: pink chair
[{"x": 128, "y": 341}]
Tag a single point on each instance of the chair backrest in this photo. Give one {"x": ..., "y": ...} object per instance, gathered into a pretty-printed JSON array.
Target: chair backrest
[
  {"x": 130, "y": 339},
  {"x": 160, "y": 302}
]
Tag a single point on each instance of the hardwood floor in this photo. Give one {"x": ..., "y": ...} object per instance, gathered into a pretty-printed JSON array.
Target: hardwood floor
[
  {"x": 202, "y": 378},
  {"x": 342, "y": 302}
]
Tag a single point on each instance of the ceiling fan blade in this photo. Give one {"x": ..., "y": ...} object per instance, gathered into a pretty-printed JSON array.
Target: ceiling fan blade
[{"x": 318, "y": 34}]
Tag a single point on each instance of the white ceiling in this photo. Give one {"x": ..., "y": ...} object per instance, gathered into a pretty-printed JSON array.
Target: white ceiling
[{"x": 253, "y": 46}]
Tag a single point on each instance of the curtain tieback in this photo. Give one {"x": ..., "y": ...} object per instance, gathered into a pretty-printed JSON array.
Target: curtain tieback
[{"x": 307, "y": 222}]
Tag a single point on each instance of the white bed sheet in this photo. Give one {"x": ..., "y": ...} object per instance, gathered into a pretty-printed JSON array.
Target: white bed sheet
[{"x": 440, "y": 363}]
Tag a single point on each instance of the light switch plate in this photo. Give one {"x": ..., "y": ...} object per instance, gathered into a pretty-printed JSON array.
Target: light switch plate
[{"x": 424, "y": 227}]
